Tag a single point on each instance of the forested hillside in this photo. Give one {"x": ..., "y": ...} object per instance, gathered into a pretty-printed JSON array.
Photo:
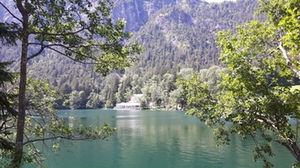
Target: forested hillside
[
  {"x": 182, "y": 34},
  {"x": 178, "y": 37}
]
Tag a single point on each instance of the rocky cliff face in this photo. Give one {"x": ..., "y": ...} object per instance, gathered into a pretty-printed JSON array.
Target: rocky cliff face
[{"x": 138, "y": 12}]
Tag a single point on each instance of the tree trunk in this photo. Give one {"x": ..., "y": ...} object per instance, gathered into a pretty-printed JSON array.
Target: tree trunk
[
  {"x": 292, "y": 147},
  {"x": 17, "y": 160},
  {"x": 295, "y": 151}
]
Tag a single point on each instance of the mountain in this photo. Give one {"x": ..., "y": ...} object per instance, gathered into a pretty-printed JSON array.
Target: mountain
[
  {"x": 176, "y": 34},
  {"x": 182, "y": 34},
  {"x": 137, "y": 12}
]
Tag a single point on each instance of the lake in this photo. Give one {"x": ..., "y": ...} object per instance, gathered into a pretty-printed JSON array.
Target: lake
[{"x": 156, "y": 139}]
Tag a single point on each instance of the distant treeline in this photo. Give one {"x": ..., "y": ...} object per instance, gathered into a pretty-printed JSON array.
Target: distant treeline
[{"x": 160, "y": 91}]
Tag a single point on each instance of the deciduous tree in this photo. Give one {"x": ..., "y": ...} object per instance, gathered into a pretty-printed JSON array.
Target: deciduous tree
[
  {"x": 80, "y": 30},
  {"x": 253, "y": 98}
]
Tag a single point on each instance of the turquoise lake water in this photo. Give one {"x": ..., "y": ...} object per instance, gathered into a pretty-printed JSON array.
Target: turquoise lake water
[{"x": 156, "y": 139}]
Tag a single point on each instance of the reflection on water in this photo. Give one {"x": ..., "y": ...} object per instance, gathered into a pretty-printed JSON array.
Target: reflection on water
[
  {"x": 128, "y": 123},
  {"x": 156, "y": 139}
]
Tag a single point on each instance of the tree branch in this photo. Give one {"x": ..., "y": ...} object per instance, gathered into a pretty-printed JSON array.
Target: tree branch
[
  {"x": 5, "y": 119},
  {"x": 285, "y": 145},
  {"x": 37, "y": 53},
  {"x": 287, "y": 60},
  {"x": 56, "y": 137},
  {"x": 2, "y": 124},
  {"x": 58, "y": 45},
  {"x": 262, "y": 119},
  {"x": 14, "y": 16},
  {"x": 93, "y": 63},
  {"x": 59, "y": 34}
]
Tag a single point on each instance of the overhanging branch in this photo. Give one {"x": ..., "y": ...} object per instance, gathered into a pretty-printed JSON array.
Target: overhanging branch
[
  {"x": 50, "y": 46},
  {"x": 59, "y": 34},
  {"x": 56, "y": 137},
  {"x": 73, "y": 59}
]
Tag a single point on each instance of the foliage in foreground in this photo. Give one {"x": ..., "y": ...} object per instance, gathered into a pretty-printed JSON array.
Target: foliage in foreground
[
  {"x": 43, "y": 124},
  {"x": 82, "y": 31},
  {"x": 254, "y": 98}
]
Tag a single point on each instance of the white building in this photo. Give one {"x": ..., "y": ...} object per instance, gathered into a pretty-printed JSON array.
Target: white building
[{"x": 133, "y": 104}]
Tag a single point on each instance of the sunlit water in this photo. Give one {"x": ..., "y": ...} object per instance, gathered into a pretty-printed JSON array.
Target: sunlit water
[{"x": 156, "y": 139}]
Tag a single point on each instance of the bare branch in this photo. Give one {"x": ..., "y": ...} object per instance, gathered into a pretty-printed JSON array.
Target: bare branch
[
  {"x": 5, "y": 119},
  {"x": 69, "y": 48},
  {"x": 37, "y": 53},
  {"x": 2, "y": 124},
  {"x": 53, "y": 49},
  {"x": 14, "y": 16},
  {"x": 59, "y": 34},
  {"x": 56, "y": 137}
]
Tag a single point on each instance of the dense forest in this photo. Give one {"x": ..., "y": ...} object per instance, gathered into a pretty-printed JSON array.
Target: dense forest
[{"x": 178, "y": 37}]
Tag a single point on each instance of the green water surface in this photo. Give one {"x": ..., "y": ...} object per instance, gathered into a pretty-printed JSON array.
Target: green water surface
[{"x": 155, "y": 139}]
